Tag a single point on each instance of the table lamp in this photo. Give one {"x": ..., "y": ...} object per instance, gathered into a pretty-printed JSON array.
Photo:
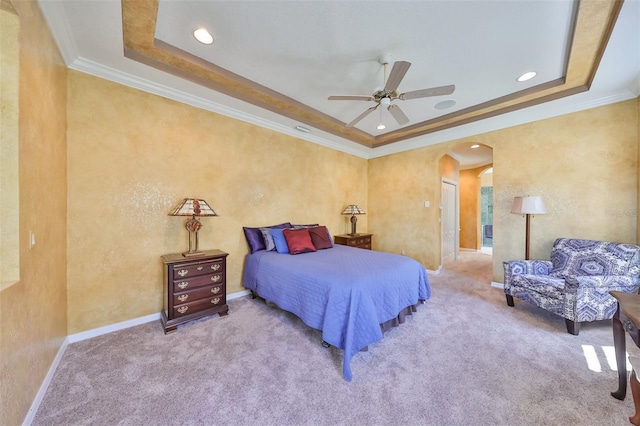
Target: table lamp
[
  {"x": 353, "y": 210},
  {"x": 195, "y": 208}
]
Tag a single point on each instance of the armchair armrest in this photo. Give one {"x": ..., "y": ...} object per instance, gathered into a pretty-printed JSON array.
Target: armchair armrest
[
  {"x": 525, "y": 267},
  {"x": 624, "y": 283},
  {"x": 586, "y": 298}
]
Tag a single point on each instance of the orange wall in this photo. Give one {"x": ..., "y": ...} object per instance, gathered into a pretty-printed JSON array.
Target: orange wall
[
  {"x": 592, "y": 152},
  {"x": 33, "y": 312},
  {"x": 470, "y": 208},
  {"x": 133, "y": 156}
]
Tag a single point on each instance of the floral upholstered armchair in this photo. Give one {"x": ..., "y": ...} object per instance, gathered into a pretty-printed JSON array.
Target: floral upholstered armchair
[{"x": 576, "y": 283}]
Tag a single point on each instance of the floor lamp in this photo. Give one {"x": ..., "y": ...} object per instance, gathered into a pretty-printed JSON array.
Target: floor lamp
[{"x": 528, "y": 206}]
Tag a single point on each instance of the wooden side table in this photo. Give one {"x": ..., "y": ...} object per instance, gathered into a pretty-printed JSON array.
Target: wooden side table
[
  {"x": 362, "y": 241},
  {"x": 626, "y": 318},
  {"x": 195, "y": 287}
]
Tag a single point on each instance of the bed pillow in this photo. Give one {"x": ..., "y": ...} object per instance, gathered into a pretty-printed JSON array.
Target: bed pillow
[
  {"x": 254, "y": 236},
  {"x": 279, "y": 241},
  {"x": 320, "y": 237},
  {"x": 269, "y": 245},
  {"x": 298, "y": 240},
  {"x": 313, "y": 225}
]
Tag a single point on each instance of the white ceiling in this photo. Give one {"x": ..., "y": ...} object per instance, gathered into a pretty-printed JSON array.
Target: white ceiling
[{"x": 309, "y": 50}]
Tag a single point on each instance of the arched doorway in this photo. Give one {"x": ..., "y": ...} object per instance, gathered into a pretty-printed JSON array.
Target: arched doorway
[{"x": 476, "y": 228}]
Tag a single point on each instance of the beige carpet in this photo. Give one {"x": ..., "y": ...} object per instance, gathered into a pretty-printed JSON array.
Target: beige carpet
[{"x": 464, "y": 358}]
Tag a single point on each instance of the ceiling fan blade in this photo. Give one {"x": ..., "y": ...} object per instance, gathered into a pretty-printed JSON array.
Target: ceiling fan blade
[
  {"x": 424, "y": 93},
  {"x": 398, "y": 71},
  {"x": 397, "y": 113},
  {"x": 349, "y": 98},
  {"x": 361, "y": 116}
]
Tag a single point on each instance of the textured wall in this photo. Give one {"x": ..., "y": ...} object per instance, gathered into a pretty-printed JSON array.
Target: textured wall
[
  {"x": 33, "y": 311},
  {"x": 399, "y": 185},
  {"x": 470, "y": 208},
  {"x": 9, "y": 146},
  {"x": 585, "y": 165},
  {"x": 133, "y": 155},
  {"x": 449, "y": 168}
]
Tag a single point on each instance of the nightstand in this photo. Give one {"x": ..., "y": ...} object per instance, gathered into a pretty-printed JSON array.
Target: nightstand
[
  {"x": 362, "y": 241},
  {"x": 195, "y": 287}
]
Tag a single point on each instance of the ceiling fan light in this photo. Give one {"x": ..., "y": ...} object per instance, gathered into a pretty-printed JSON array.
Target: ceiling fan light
[{"x": 203, "y": 36}]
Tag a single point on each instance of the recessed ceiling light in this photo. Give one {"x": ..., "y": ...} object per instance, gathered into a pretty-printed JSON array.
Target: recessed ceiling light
[
  {"x": 203, "y": 36},
  {"x": 445, "y": 104},
  {"x": 527, "y": 76},
  {"x": 475, "y": 146}
]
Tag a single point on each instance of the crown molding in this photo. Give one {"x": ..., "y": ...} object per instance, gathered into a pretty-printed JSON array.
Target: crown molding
[
  {"x": 56, "y": 17},
  {"x": 535, "y": 113},
  {"x": 117, "y": 76}
]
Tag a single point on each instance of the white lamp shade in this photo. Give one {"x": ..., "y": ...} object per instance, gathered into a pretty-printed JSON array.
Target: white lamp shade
[{"x": 528, "y": 205}]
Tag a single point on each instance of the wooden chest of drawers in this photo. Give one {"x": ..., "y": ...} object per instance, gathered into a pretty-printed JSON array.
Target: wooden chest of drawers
[
  {"x": 359, "y": 240},
  {"x": 195, "y": 287}
]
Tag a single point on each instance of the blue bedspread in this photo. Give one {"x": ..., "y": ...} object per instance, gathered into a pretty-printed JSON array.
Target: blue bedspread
[{"x": 346, "y": 292}]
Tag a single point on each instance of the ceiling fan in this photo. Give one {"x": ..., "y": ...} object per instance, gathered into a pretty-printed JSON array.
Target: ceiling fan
[{"x": 389, "y": 93}]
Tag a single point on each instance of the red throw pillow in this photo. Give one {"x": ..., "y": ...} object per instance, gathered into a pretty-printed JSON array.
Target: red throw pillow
[
  {"x": 298, "y": 240},
  {"x": 320, "y": 237}
]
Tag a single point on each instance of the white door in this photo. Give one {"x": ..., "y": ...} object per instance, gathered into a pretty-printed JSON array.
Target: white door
[{"x": 448, "y": 222}]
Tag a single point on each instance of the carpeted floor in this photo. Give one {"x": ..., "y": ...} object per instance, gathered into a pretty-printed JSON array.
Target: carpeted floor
[{"x": 464, "y": 358}]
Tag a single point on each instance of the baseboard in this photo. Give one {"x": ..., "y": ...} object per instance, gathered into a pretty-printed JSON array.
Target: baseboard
[
  {"x": 132, "y": 322},
  {"x": 238, "y": 294},
  {"x": 73, "y": 338},
  {"x": 31, "y": 414},
  {"x": 497, "y": 285},
  {"x": 436, "y": 272}
]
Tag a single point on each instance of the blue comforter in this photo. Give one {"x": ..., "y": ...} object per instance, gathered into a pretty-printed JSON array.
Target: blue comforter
[{"x": 346, "y": 292}]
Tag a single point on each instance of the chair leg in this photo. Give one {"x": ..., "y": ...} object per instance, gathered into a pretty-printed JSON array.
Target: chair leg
[
  {"x": 573, "y": 327},
  {"x": 509, "y": 299}
]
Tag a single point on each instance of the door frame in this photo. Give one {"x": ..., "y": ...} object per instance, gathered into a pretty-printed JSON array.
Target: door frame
[{"x": 456, "y": 218}]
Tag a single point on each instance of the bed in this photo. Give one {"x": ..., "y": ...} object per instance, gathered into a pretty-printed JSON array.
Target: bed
[{"x": 350, "y": 294}]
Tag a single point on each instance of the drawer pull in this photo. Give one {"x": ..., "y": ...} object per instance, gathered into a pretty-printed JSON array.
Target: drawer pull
[
  {"x": 200, "y": 268},
  {"x": 183, "y": 309},
  {"x": 183, "y": 272},
  {"x": 215, "y": 300},
  {"x": 215, "y": 278},
  {"x": 215, "y": 266},
  {"x": 183, "y": 284},
  {"x": 183, "y": 297},
  {"x": 215, "y": 290}
]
